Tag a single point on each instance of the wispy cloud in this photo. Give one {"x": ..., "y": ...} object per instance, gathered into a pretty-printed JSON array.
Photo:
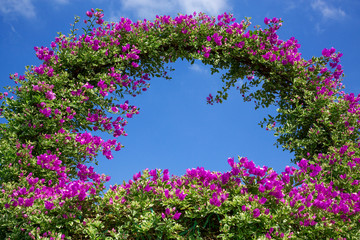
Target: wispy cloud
[
  {"x": 327, "y": 10},
  {"x": 239, "y": 83},
  {"x": 197, "y": 68},
  {"x": 13, "y": 29},
  {"x": 23, "y": 7},
  {"x": 318, "y": 28},
  {"x": 211, "y": 7},
  {"x": 150, "y": 8},
  {"x": 290, "y": 5},
  {"x": 61, "y": 1}
]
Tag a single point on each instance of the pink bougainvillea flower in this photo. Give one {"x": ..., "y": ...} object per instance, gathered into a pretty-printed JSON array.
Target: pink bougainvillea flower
[
  {"x": 167, "y": 211},
  {"x": 50, "y": 95},
  {"x": 267, "y": 20},
  {"x": 262, "y": 200},
  {"x": 89, "y": 14},
  {"x": 176, "y": 216},
  {"x": 49, "y": 205},
  {"x": 134, "y": 64},
  {"x": 256, "y": 213}
]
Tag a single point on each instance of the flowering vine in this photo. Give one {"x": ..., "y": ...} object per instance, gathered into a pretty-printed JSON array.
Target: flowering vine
[{"x": 56, "y": 108}]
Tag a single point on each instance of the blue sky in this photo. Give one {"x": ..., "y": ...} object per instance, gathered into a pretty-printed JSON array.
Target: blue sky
[{"x": 176, "y": 129}]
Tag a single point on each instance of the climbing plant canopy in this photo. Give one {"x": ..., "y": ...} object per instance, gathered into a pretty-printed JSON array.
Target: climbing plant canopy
[{"x": 55, "y": 110}]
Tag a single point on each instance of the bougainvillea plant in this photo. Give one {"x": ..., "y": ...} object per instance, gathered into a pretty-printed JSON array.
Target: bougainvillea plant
[{"x": 55, "y": 110}]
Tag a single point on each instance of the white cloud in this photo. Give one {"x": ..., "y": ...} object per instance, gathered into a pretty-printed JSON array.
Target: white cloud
[
  {"x": 209, "y": 7},
  {"x": 150, "y": 8},
  {"x": 318, "y": 28},
  {"x": 22, "y": 7},
  {"x": 61, "y": 1},
  {"x": 327, "y": 10},
  {"x": 290, "y": 5},
  {"x": 197, "y": 68},
  {"x": 13, "y": 29},
  {"x": 239, "y": 83}
]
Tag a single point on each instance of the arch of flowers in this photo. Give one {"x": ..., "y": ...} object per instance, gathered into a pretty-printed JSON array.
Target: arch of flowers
[{"x": 54, "y": 111}]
